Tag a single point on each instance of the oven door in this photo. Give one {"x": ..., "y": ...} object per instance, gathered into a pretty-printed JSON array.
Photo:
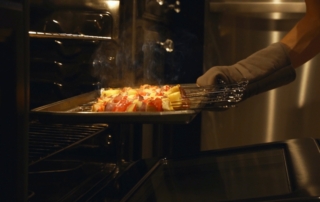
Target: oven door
[{"x": 278, "y": 171}]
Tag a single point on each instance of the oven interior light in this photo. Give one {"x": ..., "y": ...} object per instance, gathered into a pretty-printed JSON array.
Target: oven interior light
[
  {"x": 160, "y": 2},
  {"x": 58, "y": 84},
  {"x": 112, "y": 4},
  {"x": 58, "y": 42}
]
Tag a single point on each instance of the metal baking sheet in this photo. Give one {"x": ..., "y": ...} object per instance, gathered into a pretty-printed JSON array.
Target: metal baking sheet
[{"x": 74, "y": 110}]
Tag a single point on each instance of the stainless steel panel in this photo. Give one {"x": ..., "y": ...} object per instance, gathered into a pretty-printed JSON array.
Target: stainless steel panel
[
  {"x": 258, "y": 7},
  {"x": 290, "y": 111},
  {"x": 66, "y": 36}
]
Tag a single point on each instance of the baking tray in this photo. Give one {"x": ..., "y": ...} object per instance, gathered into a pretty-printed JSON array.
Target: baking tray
[{"x": 76, "y": 110}]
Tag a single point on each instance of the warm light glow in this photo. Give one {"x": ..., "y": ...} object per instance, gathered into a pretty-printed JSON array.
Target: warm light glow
[
  {"x": 58, "y": 63},
  {"x": 276, "y": 16},
  {"x": 58, "y": 84},
  {"x": 271, "y": 115},
  {"x": 58, "y": 42},
  {"x": 113, "y": 4},
  {"x": 160, "y": 2},
  {"x": 303, "y": 84},
  {"x": 275, "y": 37}
]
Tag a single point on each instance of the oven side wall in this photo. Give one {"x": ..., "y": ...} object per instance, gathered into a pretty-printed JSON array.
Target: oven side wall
[{"x": 14, "y": 99}]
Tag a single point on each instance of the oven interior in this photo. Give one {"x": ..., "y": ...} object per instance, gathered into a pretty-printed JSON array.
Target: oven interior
[
  {"x": 68, "y": 161},
  {"x": 77, "y": 47}
]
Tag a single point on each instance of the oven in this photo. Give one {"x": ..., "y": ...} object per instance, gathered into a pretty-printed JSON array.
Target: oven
[
  {"x": 76, "y": 48},
  {"x": 55, "y": 51}
]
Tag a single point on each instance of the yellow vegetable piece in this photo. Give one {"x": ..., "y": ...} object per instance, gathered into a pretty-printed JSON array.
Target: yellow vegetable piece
[
  {"x": 110, "y": 92},
  {"x": 166, "y": 105},
  {"x": 174, "y": 97},
  {"x": 174, "y": 89},
  {"x": 132, "y": 92}
]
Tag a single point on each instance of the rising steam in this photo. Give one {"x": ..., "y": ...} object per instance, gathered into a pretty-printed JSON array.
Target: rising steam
[{"x": 123, "y": 64}]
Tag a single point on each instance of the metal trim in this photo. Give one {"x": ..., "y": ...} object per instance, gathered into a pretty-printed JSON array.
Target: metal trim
[
  {"x": 258, "y": 7},
  {"x": 66, "y": 36}
]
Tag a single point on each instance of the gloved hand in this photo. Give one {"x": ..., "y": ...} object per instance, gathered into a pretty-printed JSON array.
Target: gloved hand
[{"x": 266, "y": 69}]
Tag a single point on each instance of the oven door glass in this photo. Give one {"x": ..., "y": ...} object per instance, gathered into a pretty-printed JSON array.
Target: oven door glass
[{"x": 231, "y": 176}]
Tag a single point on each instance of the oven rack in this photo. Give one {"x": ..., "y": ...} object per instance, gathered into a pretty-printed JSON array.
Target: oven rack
[
  {"x": 34, "y": 34},
  {"x": 47, "y": 139}
]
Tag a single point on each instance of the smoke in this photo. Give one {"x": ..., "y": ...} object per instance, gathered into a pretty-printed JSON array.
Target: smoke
[
  {"x": 132, "y": 62},
  {"x": 104, "y": 66},
  {"x": 182, "y": 66},
  {"x": 154, "y": 58}
]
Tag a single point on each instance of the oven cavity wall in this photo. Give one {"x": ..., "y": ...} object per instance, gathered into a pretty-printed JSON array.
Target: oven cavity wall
[{"x": 66, "y": 37}]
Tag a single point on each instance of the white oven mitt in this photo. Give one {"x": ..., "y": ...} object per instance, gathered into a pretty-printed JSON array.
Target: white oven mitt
[{"x": 266, "y": 69}]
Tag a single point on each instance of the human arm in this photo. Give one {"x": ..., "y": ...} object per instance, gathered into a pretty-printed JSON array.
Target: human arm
[
  {"x": 304, "y": 38},
  {"x": 296, "y": 48}
]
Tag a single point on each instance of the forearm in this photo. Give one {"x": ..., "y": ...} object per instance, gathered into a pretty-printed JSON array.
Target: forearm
[{"x": 304, "y": 38}]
